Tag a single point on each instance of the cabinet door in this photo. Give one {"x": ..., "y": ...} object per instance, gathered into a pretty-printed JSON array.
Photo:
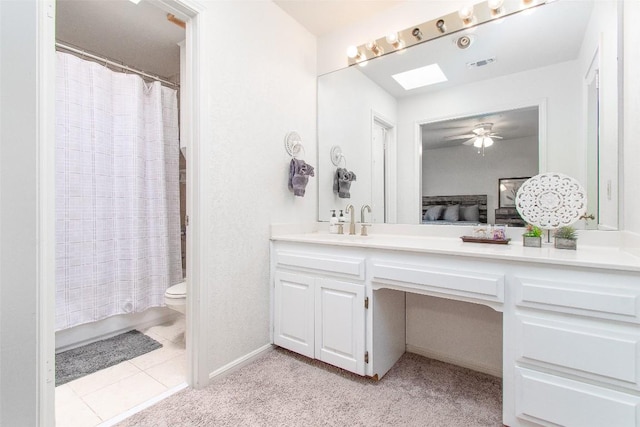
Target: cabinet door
[
  {"x": 340, "y": 324},
  {"x": 294, "y": 312}
]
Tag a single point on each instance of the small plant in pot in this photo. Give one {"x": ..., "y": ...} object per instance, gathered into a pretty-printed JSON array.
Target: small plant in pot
[
  {"x": 565, "y": 237},
  {"x": 532, "y": 237}
]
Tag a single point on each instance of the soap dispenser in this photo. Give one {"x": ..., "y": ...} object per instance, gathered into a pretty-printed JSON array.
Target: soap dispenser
[
  {"x": 341, "y": 217},
  {"x": 333, "y": 222}
]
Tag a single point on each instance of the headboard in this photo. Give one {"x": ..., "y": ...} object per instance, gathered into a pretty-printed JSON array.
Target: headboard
[{"x": 474, "y": 199}]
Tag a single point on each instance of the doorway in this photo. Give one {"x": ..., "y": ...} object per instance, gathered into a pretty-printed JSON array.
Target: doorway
[
  {"x": 197, "y": 375},
  {"x": 383, "y": 171}
]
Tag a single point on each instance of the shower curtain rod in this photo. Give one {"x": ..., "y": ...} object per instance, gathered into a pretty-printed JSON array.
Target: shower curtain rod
[{"x": 107, "y": 61}]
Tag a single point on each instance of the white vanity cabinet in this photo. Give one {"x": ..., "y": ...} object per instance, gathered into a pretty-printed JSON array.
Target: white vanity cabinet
[
  {"x": 319, "y": 306},
  {"x": 575, "y": 337},
  {"x": 571, "y": 319}
]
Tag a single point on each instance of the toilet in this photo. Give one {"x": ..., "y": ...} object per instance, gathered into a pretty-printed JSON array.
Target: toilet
[{"x": 176, "y": 297}]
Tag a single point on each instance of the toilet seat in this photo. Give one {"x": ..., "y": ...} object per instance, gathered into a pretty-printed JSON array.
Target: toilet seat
[{"x": 177, "y": 291}]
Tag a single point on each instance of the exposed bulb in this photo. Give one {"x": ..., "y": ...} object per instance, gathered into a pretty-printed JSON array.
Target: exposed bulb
[
  {"x": 392, "y": 38},
  {"x": 395, "y": 41},
  {"x": 466, "y": 13},
  {"x": 374, "y": 48},
  {"x": 495, "y": 4},
  {"x": 352, "y": 52}
]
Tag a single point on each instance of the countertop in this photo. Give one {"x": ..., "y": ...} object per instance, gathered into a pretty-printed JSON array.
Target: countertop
[{"x": 606, "y": 257}]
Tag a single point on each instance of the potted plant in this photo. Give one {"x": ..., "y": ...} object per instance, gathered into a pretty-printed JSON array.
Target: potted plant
[
  {"x": 532, "y": 237},
  {"x": 565, "y": 237}
]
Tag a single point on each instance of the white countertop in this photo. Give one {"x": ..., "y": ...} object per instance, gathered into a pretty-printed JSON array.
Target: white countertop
[{"x": 607, "y": 257}]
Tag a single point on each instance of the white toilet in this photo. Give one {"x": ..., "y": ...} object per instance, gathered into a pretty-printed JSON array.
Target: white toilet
[{"x": 176, "y": 297}]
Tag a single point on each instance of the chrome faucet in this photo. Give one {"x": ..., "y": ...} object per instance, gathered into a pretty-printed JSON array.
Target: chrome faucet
[
  {"x": 352, "y": 224},
  {"x": 363, "y": 228}
]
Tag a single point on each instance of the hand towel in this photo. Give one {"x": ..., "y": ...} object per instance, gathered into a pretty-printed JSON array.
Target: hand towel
[
  {"x": 342, "y": 182},
  {"x": 299, "y": 173}
]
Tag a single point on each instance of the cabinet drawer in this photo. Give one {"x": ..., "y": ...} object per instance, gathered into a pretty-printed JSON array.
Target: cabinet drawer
[
  {"x": 343, "y": 265},
  {"x": 610, "y": 355},
  {"x": 472, "y": 284},
  {"x": 607, "y": 302},
  {"x": 551, "y": 400}
]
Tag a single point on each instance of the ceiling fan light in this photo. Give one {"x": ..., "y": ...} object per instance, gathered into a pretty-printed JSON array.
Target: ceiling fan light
[
  {"x": 488, "y": 142},
  {"x": 478, "y": 142}
]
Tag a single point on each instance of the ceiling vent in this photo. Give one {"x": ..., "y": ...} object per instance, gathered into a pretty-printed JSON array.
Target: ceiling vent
[{"x": 481, "y": 63}]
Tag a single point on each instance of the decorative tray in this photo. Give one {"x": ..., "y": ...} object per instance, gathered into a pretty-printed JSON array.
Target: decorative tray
[{"x": 484, "y": 240}]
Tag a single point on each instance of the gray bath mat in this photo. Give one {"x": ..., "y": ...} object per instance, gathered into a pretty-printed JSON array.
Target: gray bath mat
[{"x": 81, "y": 361}]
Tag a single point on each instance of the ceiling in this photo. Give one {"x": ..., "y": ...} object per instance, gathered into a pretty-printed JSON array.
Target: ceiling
[
  {"x": 136, "y": 35},
  {"x": 320, "y": 17},
  {"x": 512, "y": 124},
  {"x": 140, "y": 35}
]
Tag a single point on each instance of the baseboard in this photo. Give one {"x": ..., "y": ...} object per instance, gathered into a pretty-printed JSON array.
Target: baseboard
[
  {"x": 455, "y": 361},
  {"x": 239, "y": 363},
  {"x": 80, "y": 335}
]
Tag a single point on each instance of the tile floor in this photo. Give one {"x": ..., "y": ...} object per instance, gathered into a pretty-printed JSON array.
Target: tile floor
[{"x": 95, "y": 398}]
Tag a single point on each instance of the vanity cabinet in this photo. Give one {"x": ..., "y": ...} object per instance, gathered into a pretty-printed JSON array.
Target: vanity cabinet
[
  {"x": 319, "y": 316},
  {"x": 571, "y": 330},
  {"x": 577, "y": 348}
]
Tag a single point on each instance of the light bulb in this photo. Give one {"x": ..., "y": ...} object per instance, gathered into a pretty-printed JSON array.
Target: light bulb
[
  {"x": 352, "y": 52},
  {"x": 373, "y": 47},
  {"x": 488, "y": 142},
  {"x": 478, "y": 142},
  {"x": 495, "y": 4},
  {"x": 392, "y": 38},
  {"x": 466, "y": 13}
]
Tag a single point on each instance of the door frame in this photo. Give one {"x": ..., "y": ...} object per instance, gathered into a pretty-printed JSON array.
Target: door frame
[
  {"x": 391, "y": 173},
  {"x": 196, "y": 331}
]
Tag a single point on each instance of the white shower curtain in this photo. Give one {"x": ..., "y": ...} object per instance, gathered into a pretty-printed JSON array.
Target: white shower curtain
[{"x": 117, "y": 192}]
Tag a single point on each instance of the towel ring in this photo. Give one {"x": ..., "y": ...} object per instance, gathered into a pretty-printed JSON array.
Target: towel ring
[
  {"x": 293, "y": 143},
  {"x": 336, "y": 156}
]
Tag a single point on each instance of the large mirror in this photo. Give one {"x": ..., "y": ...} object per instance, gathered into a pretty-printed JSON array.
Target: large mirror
[{"x": 534, "y": 92}]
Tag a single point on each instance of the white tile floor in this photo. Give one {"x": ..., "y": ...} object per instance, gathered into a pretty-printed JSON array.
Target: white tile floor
[{"x": 95, "y": 398}]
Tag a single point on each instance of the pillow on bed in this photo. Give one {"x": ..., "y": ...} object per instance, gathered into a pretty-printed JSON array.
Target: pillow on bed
[
  {"x": 433, "y": 213},
  {"x": 451, "y": 213},
  {"x": 470, "y": 213}
]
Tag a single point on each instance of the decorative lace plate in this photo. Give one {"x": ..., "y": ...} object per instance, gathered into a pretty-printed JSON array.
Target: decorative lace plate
[{"x": 551, "y": 200}]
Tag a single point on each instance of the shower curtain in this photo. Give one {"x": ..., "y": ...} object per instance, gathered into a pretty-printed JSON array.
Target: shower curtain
[{"x": 117, "y": 192}]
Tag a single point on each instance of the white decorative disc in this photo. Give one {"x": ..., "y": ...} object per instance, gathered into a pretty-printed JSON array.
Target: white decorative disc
[{"x": 551, "y": 200}]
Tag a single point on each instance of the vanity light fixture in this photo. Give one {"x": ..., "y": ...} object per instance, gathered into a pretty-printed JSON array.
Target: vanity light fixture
[
  {"x": 466, "y": 14},
  {"x": 419, "y": 77},
  {"x": 394, "y": 41},
  {"x": 463, "y": 19},
  {"x": 135, "y": 1},
  {"x": 374, "y": 48}
]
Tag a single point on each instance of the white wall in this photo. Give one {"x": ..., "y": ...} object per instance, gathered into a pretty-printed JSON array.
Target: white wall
[
  {"x": 631, "y": 147},
  {"x": 462, "y": 170},
  {"x": 555, "y": 86},
  {"x": 261, "y": 70},
  {"x": 345, "y": 119},
  {"x": 18, "y": 214}
]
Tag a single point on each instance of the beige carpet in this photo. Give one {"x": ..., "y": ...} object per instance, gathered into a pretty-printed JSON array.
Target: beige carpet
[{"x": 284, "y": 389}]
